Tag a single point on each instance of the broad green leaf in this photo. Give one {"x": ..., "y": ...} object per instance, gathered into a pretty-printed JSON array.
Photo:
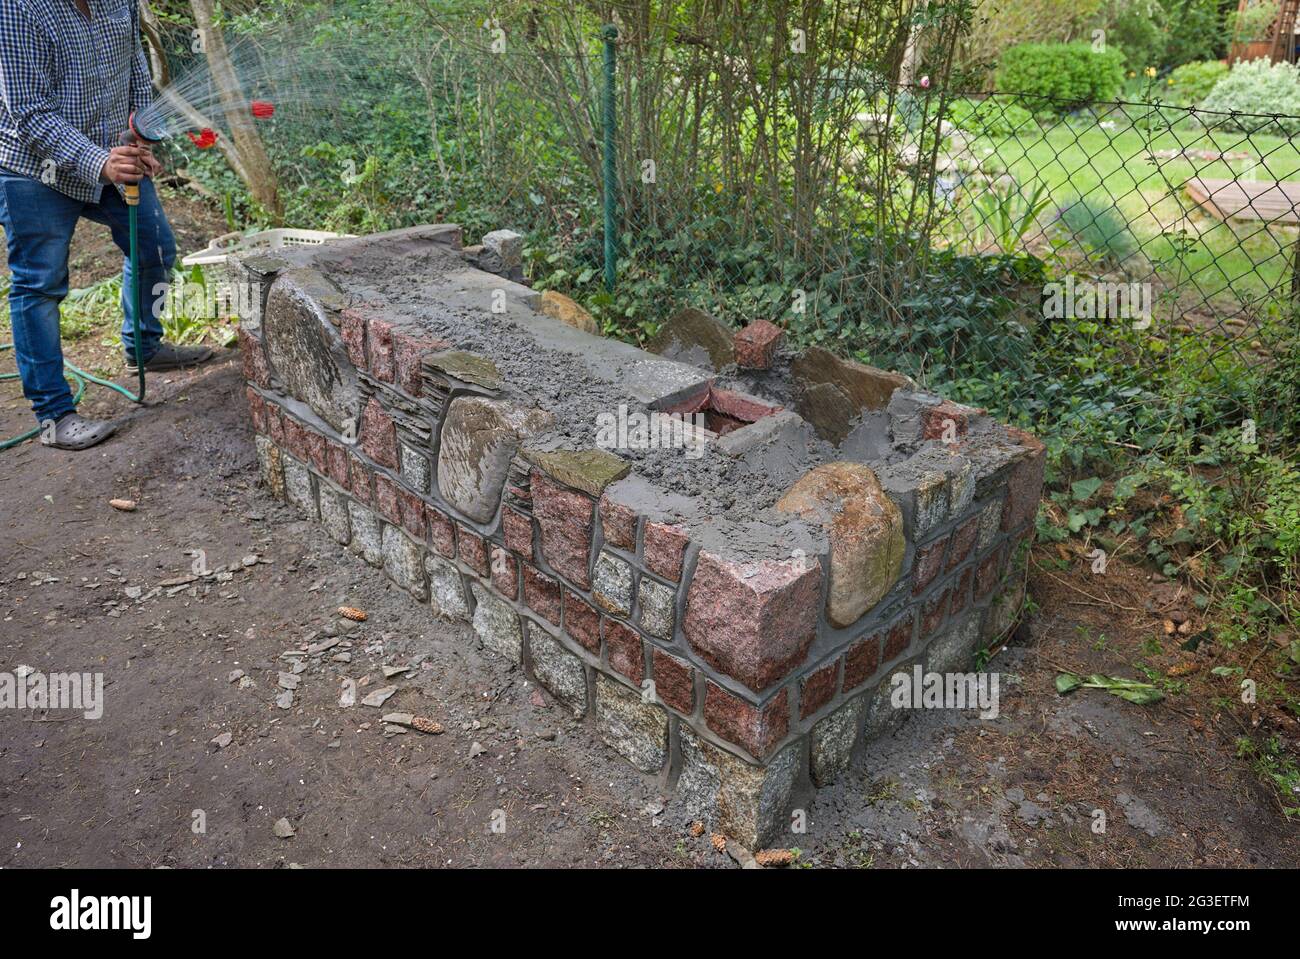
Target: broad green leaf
[
  {"x": 1067, "y": 683},
  {"x": 1141, "y": 696},
  {"x": 1084, "y": 489},
  {"x": 1126, "y": 486}
]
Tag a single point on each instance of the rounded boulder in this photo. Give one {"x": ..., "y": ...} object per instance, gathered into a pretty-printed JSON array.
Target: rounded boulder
[{"x": 865, "y": 529}]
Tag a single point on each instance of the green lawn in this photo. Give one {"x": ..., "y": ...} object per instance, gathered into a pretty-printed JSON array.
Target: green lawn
[{"x": 1117, "y": 168}]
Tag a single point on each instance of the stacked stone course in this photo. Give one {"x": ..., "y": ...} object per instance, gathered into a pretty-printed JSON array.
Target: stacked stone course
[{"x": 742, "y": 673}]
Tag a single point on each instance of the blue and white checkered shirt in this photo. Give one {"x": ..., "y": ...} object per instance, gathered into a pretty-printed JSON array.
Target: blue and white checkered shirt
[{"x": 67, "y": 88}]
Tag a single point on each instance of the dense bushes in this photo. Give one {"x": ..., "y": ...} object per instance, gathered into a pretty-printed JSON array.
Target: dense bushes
[
  {"x": 1193, "y": 31},
  {"x": 1192, "y": 82},
  {"x": 999, "y": 25},
  {"x": 1138, "y": 28},
  {"x": 1069, "y": 74},
  {"x": 1149, "y": 33},
  {"x": 1258, "y": 87}
]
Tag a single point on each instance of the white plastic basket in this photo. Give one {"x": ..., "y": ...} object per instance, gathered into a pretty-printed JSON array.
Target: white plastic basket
[
  {"x": 223, "y": 246},
  {"x": 218, "y": 298}
]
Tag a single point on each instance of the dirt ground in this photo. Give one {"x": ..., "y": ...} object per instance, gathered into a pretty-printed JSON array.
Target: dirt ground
[{"x": 84, "y": 587}]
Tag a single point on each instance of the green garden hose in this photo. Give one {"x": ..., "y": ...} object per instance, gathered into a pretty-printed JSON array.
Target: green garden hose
[
  {"x": 132, "y": 192},
  {"x": 76, "y": 374}
]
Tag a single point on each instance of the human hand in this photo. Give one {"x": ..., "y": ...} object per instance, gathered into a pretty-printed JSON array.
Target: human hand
[{"x": 125, "y": 164}]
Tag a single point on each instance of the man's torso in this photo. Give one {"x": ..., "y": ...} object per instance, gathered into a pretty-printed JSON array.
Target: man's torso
[{"x": 86, "y": 58}]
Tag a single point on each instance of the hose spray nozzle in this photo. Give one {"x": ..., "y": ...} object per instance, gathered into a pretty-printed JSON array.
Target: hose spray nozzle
[
  {"x": 135, "y": 133},
  {"x": 140, "y": 129}
]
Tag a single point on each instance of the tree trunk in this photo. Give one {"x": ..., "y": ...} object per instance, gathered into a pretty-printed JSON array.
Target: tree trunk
[
  {"x": 257, "y": 170},
  {"x": 153, "y": 48}
]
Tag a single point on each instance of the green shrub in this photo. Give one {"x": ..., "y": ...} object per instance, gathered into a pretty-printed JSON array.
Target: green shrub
[
  {"x": 1100, "y": 230},
  {"x": 994, "y": 117},
  {"x": 1192, "y": 82},
  {"x": 1258, "y": 87},
  {"x": 1070, "y": 74}
]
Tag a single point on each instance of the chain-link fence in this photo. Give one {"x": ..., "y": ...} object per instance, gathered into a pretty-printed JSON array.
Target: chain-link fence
[
  {"x": 1122, "y": 267},
  {"x": 1166, "y": 239}
]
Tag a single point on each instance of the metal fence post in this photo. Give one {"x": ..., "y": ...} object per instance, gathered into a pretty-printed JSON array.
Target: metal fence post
[{"x": 609, "y": 34}]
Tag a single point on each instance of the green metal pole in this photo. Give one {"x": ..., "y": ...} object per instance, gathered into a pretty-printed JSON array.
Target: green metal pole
[{"x": 609, "y": 34}]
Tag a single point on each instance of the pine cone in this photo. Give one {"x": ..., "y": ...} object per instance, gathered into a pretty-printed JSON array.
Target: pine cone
[
  {"x": 352, "y": 613},
  {"x": 774, "y": 857},
  {"x": 697, "y": 829},
  {"x": 719, "y": 842},
  {"x": 426, "y": 725}
]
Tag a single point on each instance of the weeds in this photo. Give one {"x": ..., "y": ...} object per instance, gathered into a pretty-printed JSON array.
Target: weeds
[
  {"x": 88, "y": 309},
  {"x": 1008, "y": 216},
  {"x": 1274, "y": 765},
  {"x": 195, "y": 311},
  {"x": 854, "y": 851}
]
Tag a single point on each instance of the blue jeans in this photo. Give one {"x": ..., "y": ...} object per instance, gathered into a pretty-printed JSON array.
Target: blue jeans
[{"x": 38, "y": 222}]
